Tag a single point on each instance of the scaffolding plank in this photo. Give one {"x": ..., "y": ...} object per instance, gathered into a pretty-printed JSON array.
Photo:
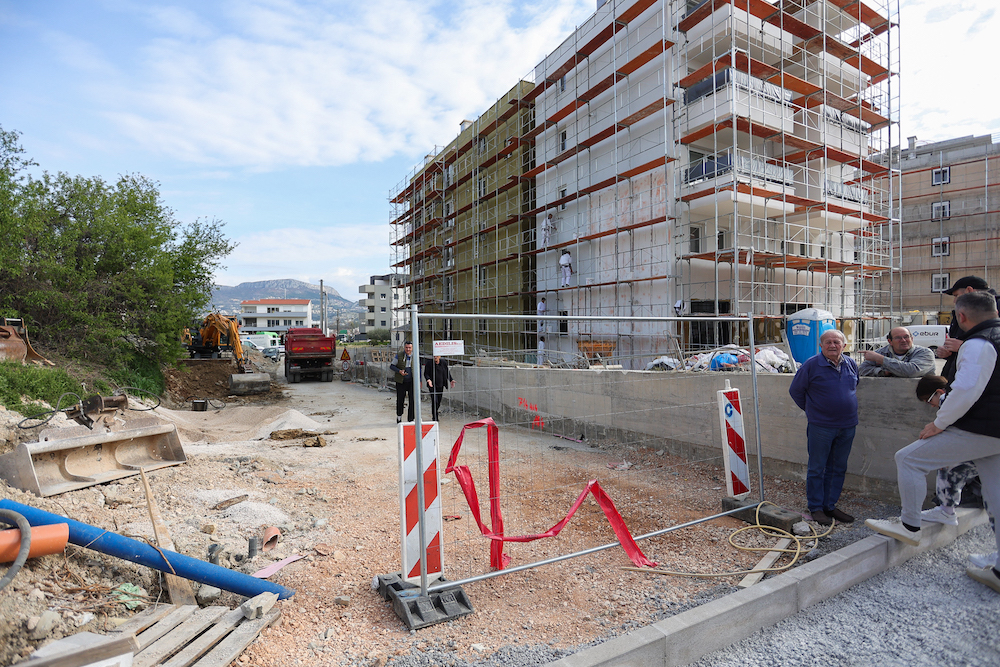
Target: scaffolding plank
[
  {"x": 634, "y": 11},
  {"x": 656, "y": 49}
]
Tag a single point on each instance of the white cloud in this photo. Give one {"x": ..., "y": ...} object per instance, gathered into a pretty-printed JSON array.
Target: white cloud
[
  {"x": 947, "y": 56},
  {"x": 272, "y": 83},
  {"x": 343, "y": 256}
]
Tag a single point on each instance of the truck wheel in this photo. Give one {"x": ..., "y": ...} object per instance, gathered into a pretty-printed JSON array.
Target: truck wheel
[{"x": 328, "y": 376}]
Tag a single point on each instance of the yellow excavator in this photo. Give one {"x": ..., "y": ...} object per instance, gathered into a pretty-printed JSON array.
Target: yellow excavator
[{"x": 219, "y": 333}]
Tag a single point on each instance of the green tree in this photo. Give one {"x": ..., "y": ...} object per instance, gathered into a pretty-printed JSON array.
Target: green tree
[
  {"x": 378, "y": 335},
  {"x": 99, "y": 269}
]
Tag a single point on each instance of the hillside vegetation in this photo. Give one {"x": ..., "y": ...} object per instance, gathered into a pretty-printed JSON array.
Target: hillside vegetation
[{"x": 100, "y": 272}]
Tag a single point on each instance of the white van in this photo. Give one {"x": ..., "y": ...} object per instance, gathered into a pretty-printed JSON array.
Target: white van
[
  {"x": 260, "y": 341},
  {"x": 928, "y": 335}
]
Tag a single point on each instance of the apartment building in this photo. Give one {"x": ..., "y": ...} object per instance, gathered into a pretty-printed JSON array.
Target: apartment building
[
  {"x": 950, "y": 218},
  {"x": 384, "y": 301},
  {"x": 693, "y": 158},
  {"x": 274, "y": 315}
]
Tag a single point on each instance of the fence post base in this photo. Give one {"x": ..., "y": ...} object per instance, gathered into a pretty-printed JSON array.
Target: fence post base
[{"x": 418, "y": 611}]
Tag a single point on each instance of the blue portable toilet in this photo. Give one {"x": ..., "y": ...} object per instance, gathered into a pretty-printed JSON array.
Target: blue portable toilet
[{"x": 803, "y": 330}]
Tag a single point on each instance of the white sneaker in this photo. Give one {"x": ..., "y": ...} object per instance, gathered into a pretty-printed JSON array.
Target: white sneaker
[
  {"x": 985, "y": 576},
  {"x": 938, "y": 515},
  {"x": 984, "y": 560},
  {"x": 895, "y": 530}
]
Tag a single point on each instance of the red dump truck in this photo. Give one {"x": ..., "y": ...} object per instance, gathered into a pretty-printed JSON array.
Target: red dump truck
[{"x": 309, "y": 352}]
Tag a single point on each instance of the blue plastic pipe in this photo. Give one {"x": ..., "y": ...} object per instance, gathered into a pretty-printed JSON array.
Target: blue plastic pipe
[{"x": 113, "y": 544}]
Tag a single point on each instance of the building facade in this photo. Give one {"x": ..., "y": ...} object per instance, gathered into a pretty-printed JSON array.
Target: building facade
[
  {"x": 385, "y": 305},
  {"x": 276, "y": 315},
  {"x": 682, "y": 158},
  {"x": 951, "y": 220}
]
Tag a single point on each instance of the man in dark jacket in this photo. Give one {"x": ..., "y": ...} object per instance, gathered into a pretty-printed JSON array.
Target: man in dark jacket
[
  {"x": 403, "y": 375},
  {"x": 825, "y": 386},
  {"x": 949, "y": 351},
  {"x": 965, "y": 428},
  {"x": 437, "y": 378}
]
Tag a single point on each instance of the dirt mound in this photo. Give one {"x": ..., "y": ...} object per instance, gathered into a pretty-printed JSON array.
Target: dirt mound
[{"x": 207, "y": 379}]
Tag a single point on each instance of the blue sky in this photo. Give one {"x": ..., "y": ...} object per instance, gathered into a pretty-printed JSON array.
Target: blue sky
[{"x": 291, "y": 120}]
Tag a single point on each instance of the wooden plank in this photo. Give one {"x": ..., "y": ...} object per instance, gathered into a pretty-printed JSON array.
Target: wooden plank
[
  {"x": 206, "y": 641},
  {"x": 178, "y": 588},
  {"x": 77, "y": 656},
  {"x": 143, "y": 619},
  {"x": 765, "y": 562},
  {"x": 230, "y": 648},
  {"x": 165, "y": 625},
  {"x": 179, "y": 636}
]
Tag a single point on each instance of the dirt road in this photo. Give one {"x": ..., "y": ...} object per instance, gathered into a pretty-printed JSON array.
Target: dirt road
[{"x": 338, "y": 506}]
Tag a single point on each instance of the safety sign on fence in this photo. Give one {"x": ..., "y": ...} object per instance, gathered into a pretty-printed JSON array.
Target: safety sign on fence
[
  {"x": 409, "y": 506},
  {"x": 734, "y": 451}
]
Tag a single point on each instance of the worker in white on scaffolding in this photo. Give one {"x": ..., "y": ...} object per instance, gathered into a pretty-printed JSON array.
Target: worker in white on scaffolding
[
  {"x": 566, "y": 264},
  {"x": 548, "y": 227},
  {"x": 541, "y": 313}
]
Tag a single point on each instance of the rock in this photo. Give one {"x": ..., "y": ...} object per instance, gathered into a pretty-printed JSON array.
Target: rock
[
  {"x": 319, "y": 523},
  {"x": 207, "y": 595},
  {"x": 258, "y": 605},
  {"x": 44, "y": 625},
  {"x": 36, "y": 594},
  {"x": 342, "y": 600},
  {"x": 209, "y": 528},
  {"x": 318, "y": 441},
  {"x": 478, "y": 648},
  {"x": 801, "y": 528},
  {"x": 339, "y": 556}
]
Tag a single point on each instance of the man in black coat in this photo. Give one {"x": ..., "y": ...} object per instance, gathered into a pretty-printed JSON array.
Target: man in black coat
[
  {"x": 949, "y": 351},
  {"x": 437, "y": 377}
]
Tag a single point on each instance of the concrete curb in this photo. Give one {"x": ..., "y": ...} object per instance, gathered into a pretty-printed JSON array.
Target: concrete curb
[{"x": 687, "y": 637}]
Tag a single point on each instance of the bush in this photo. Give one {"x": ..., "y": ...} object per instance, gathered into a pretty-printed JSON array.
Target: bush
[{"x": 20, "y": 384}]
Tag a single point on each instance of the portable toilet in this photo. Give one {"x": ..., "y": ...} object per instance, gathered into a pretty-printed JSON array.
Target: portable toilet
[{"x": 803, "y": 330}]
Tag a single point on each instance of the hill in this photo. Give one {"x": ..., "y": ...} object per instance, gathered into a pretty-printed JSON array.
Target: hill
[{"x": 227, "y": 299}]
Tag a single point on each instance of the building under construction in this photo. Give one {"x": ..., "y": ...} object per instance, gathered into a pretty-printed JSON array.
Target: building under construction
[{"x": 670, "y": 157}]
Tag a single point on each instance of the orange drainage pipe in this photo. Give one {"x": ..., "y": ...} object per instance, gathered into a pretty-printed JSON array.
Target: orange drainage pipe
[{"x": 45, "y": 540}]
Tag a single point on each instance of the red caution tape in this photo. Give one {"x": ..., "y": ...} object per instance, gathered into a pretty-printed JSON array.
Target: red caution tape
[{"x": 500, "y": 560}]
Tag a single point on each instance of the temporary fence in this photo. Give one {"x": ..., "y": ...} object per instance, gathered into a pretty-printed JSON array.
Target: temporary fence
[{"x": 546, "y": 460}]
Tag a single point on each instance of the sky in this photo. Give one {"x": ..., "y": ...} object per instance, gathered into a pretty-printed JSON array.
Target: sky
[{"x": 290, "y": 121}]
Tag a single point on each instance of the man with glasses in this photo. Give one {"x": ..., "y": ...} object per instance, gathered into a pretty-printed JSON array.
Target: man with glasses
[{"x": 900, "y": 358}]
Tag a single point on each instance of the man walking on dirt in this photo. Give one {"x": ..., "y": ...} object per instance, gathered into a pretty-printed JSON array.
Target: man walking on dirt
[
  {"x": 965, "y": 428},
  {"x": 825, "y": 386},
  {"x": 403, "y": 369}
]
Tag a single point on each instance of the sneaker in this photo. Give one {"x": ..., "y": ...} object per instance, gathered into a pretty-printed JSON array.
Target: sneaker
[
  {"x": 842, "y": 517},
  {"x": 984, "y": 560},
  {"x": 985, "y": 575},
  {"x": 399, "y": 419},
  {"x": 820, "y": 517},
  {"x": 895, "y": 530},
  {"x": 938, "y": 515}
]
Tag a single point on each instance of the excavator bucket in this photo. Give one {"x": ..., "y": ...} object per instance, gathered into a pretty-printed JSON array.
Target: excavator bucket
[
  {"x": 66, "y": 459},
  {"x": 14, "y": 343}
]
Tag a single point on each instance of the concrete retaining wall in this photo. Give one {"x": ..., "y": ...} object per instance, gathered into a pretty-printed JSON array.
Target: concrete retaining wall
[{"x": 679, "y": 413}]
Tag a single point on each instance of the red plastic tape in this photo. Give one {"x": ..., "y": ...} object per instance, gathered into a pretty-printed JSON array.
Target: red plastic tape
[{"x": 500, "y": 560}]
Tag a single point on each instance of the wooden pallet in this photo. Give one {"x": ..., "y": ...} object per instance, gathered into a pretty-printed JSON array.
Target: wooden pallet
[{"x": 184, "y": 636}]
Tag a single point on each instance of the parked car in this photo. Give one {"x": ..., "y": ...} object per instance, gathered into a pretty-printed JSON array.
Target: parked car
[{"x": 272, "y": 353}]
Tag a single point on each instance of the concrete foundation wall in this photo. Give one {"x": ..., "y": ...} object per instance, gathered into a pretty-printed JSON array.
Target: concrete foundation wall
[{"x": 680, "y": 414}]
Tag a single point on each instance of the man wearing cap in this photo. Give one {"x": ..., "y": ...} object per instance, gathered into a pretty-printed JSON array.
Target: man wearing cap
[
  {"x": 965, "y": 428},
  {"x": 949, "y": 351},
  {"x": 900, "y": 358}
]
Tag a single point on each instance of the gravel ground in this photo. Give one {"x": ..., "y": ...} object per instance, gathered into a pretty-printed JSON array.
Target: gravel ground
[{"x": 925, "y": 612}]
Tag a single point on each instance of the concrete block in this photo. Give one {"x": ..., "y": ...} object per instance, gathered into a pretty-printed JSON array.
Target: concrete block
[
  {"x": 242, "y": 384},
  {"x": 640, "y": 648},
  {"x": 835, "y": 573},
  {"x": 722, "y": 622},
  {"x": 770, "y": 515}
]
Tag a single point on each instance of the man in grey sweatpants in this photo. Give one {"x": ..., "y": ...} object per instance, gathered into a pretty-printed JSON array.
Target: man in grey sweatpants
[{"x": 965, "y": 429}]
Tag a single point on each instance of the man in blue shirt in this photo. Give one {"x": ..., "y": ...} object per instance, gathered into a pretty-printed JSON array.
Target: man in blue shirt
[{"x": 825, "y": 386}]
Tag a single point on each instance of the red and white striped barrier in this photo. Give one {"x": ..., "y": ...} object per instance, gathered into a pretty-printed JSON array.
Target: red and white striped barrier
[
  {"x": 734, "y": 451},
  {"x": 408, "y": 503}
]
